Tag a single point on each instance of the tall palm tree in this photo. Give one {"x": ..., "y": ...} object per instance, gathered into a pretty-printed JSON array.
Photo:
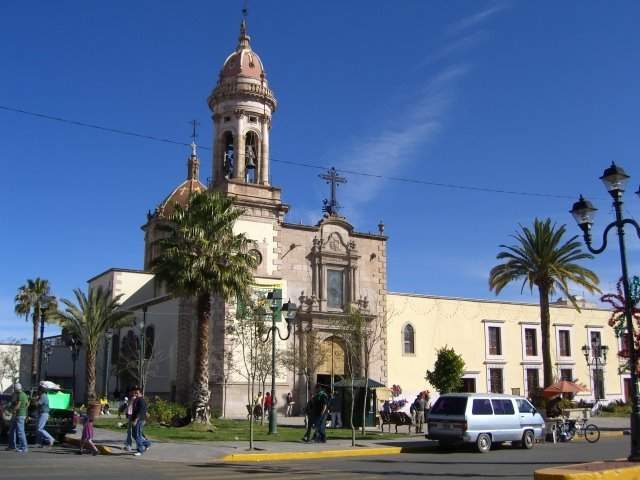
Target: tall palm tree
[
  {"x": 88, "y": 321},
  {"x": 542, "y": 259},
  {"x": 31, "y": 301},
  {"x": 200, "y": 257}
]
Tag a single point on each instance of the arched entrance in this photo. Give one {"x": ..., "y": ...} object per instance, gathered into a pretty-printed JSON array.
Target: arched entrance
[{"x": 333, "y": 368}]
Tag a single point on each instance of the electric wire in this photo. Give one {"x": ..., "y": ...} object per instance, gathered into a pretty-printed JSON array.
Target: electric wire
[{"x": 417, "y": 181}]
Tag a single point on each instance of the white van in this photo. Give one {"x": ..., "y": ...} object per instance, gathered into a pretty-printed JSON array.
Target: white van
[{"x": 484, "y": 419}]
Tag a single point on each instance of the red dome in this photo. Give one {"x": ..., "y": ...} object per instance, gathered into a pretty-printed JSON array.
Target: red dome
[{"x": 244, "y": 62}]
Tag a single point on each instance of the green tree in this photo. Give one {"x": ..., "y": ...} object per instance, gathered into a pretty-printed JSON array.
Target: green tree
[
  {"x": 88, "y": 321},
  {"x": 200, "y": 257},
  {"x": 32, "y": 300},
  {"x": 447, "y": 372},
  {"x": 542, "y": 259}
]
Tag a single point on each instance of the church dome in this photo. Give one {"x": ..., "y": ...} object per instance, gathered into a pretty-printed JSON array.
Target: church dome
[{"x": 244, "y": 62}]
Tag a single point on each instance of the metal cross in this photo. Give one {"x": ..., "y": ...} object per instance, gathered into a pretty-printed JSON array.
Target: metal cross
[
  {"x": 194, "y": 131},
  {"x": 332, "y": 206}
]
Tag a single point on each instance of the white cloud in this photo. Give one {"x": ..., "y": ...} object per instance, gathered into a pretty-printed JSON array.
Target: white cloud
[{"x": 476, "y": 19}]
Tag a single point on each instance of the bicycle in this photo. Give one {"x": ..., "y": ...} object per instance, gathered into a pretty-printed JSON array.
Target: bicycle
[{"x": 570, "y": 428}]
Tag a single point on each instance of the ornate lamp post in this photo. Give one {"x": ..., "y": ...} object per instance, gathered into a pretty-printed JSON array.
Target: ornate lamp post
[
  {"x": 598, "y": 360},
  {"x": 290, "y": 309},
  {"x": 74, "y": 346},
  {"x": 615, "y": 180}
]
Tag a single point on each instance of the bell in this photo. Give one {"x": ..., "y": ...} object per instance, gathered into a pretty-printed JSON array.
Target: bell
[{"x": 251, "y": 164}]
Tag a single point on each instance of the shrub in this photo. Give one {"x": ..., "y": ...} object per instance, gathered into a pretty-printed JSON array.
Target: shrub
[{"x": 161, "y": 411}]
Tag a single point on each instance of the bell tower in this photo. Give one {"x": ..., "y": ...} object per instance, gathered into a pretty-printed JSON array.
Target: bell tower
[{"x": 242, "y": 106}]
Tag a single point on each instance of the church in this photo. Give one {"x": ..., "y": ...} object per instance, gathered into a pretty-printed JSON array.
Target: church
[{"x": 326, "y": 269}]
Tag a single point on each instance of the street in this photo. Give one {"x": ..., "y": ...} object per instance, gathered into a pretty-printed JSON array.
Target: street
[{"x": 505, "y": 463}]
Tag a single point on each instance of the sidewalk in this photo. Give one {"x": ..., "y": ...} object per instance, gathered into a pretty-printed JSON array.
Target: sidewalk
[{"x": 112, "y": 442}]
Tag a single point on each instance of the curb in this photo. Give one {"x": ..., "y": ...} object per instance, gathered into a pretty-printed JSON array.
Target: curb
[
  {"x": 103, "y": 449},
  {"x": 583, "y": 472},
  {"x": 318, "y": 454}
]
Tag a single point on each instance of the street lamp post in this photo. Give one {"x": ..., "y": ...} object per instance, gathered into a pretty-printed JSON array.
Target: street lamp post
[
  {"x": 142, "y": 326},
  {"x": 48, "y": 350},
  {"x": 43, "y": 317},
  {"x": 615, "y": 180},
  {"x": 74, "y": 346},
  {"x": 290, "y": 309},
  {"x": 107, "y": 362},
  {"x": 597, "y": 360}
]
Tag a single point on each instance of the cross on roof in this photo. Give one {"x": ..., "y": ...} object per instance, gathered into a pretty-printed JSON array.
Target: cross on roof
[{"x": 332, "y": 206}]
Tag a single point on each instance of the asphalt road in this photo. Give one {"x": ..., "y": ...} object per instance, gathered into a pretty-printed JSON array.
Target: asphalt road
[{"x": 504, "y": 463}]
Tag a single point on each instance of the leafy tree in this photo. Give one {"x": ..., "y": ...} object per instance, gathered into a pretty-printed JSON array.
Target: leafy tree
[
  {"x": 200, "y": 257},
  {"x": 88, "y": 320},
  {"x": 447, "y": 372},
  {"x": 31, "y": 301},
  {"x": 542, "y": 259}
]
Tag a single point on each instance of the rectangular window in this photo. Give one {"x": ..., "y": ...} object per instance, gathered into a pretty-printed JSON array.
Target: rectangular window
[
  {"x": 481, "y": 406},
  {"x": 564, "y": 339},
  {"x": 450, "y": 406},
  {"x": 596, "y": 341},
  {"x": 533, "y": 380},
  {"x": 524, "y": 406},
  {"x": 566, "y": 374},
  {"x": 495, "y": 380},
  {"x": 531, "y": 342},
  {"x": 502, "y": 407},
  {"x": 624, "y": 341},
  {"x": 335, "y": 288},
  {"x": 468, "y": 385},
  {"x": 495, "y": 341}
]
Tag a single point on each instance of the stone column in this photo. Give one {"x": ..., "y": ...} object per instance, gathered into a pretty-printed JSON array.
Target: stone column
[{"x": 264, "y": 159}]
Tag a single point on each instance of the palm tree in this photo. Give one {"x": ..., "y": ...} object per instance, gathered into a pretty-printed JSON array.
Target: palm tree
[
  {"x": 88, "y": 321},
  {"x": 200, "y": 257},
  {"x": 32, "y": 300},
  {"x": 541, "y": 259}
]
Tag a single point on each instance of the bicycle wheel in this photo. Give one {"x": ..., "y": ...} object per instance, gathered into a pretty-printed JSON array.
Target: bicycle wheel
[{"x": 591, "y": 433}]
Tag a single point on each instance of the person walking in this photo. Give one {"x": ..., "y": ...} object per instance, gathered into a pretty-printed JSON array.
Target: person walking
[
  {"x": 335, "y": 410},
  {"x": 268, "y": 403},
  {"x": 87, "y": 435},
  {"x": 289, "y": 411},
  {"x": 321, "y": 403},
  {"x": 139, "y": 416},
  {"x": 19, "y": 406},
  {"x": 309, "y": 420},
  {"x": 129, "y": 414},
  {"x": 42, "y": 436}
]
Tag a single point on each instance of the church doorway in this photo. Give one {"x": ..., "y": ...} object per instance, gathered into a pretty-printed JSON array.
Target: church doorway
[{"x": 332, "y": 369}]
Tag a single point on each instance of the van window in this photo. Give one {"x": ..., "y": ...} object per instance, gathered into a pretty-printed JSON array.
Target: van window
[
  {"x": 482, "y": 406},
  {"x": 524, "y": 406},
  {"x": 449, "y": 406},
  {"x": 502, "y": 407}
]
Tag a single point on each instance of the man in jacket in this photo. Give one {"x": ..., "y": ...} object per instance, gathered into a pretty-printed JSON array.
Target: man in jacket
[
  {"x": 138, "y": 417},
  {"x": 42, "y": 436}
]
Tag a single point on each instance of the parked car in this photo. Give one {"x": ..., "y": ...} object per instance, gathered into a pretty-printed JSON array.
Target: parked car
[
  {"x": 62, "y": 418},
  {"x": 485, "y": 420}
]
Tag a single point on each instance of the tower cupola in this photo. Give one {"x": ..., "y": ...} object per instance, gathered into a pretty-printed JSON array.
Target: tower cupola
[{"x": 242, "y": 105}]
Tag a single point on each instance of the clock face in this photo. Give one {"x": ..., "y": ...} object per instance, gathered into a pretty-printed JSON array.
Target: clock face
[{"x": 257, "y": 255}]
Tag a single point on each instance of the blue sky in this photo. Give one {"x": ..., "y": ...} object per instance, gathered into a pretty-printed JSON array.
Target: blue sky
[{"x": 532, "y": 97}]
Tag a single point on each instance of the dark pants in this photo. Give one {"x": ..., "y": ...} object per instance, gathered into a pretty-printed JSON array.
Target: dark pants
[
  {"x": 311, "y": 422},
  {"x": 321, "y": 425}
]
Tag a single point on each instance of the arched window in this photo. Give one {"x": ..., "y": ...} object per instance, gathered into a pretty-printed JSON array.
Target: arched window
[
  {"x": 251, "y": 157},
  {"x": 408, "y": 339},
  {"x": 228, "y": 156}
]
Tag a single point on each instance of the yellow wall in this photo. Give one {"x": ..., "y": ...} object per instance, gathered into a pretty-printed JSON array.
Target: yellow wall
[{"x": 461, "y": 324}]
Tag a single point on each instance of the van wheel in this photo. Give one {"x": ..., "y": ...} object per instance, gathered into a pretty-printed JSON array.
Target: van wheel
[
  {"x": 528, "y": 440},
  {"x": 483, "y": 443}
]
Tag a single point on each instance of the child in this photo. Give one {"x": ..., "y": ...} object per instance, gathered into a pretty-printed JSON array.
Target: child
[{"x": 87, "y": 434}]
